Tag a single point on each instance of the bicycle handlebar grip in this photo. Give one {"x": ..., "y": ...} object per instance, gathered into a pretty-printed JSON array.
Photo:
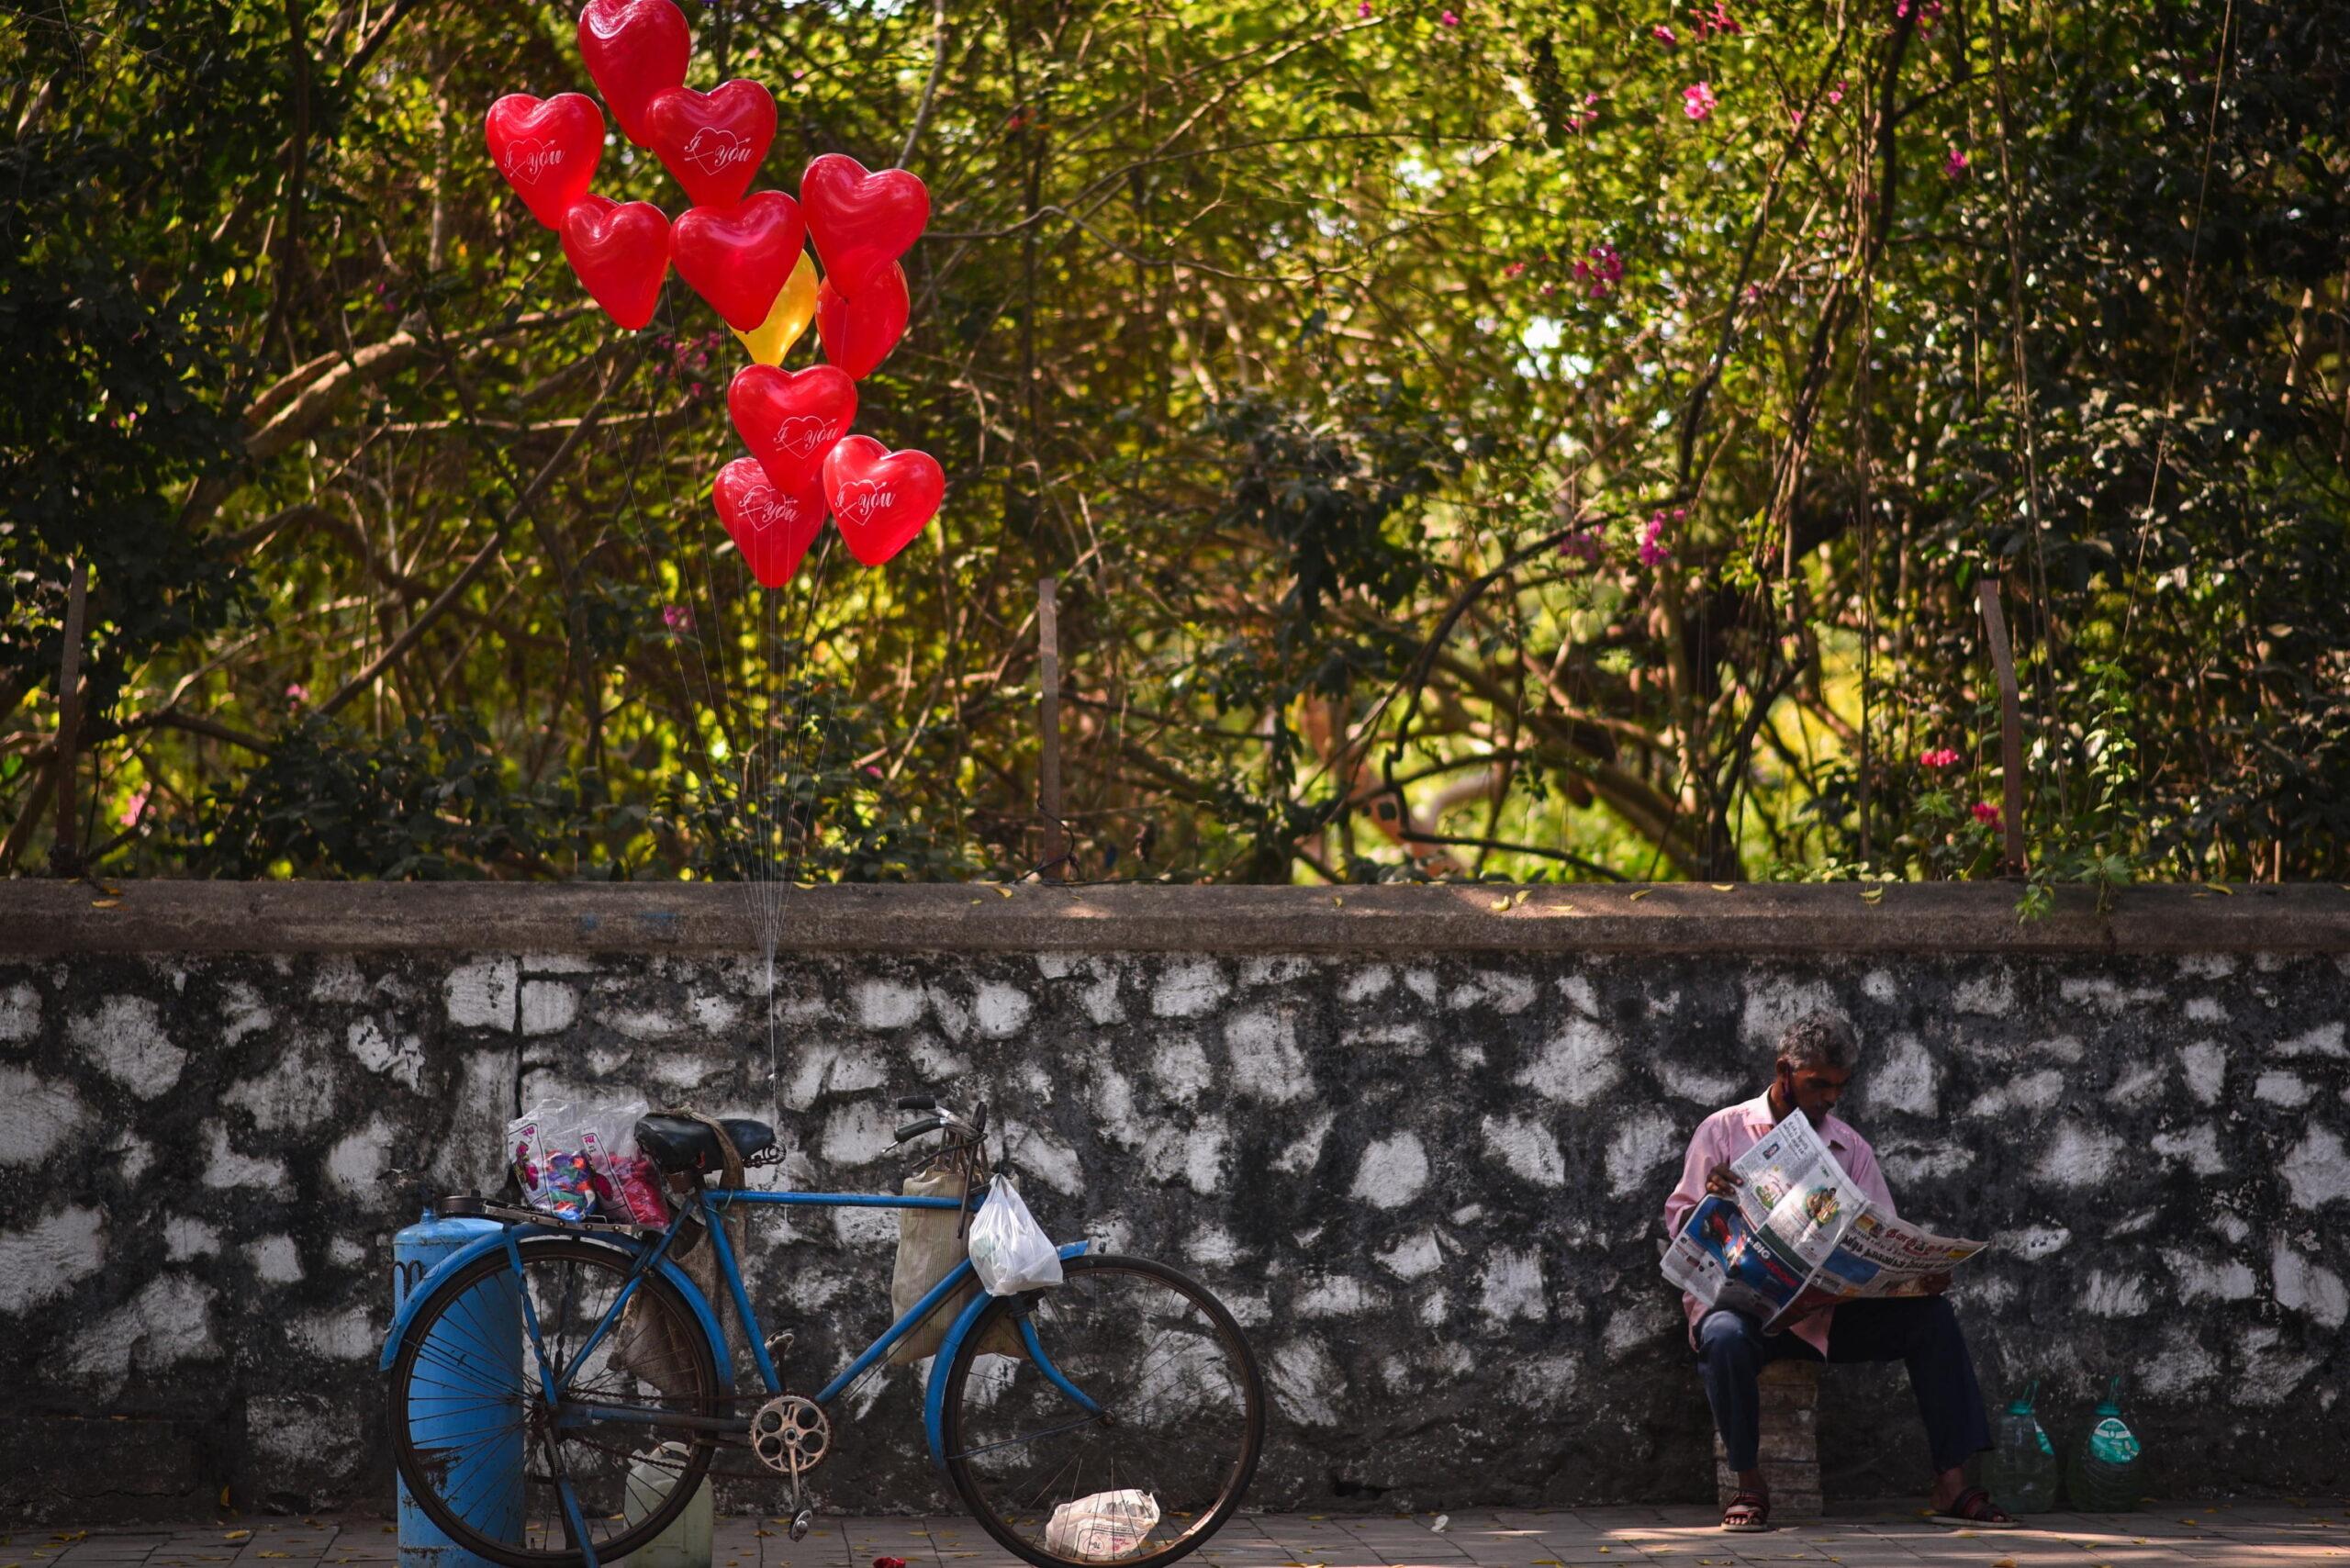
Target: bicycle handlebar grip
[
  {"x": 980, "y": 1118},
  {"x": 917, "y": 1103},
  {"x": 916, "y": 1129}
]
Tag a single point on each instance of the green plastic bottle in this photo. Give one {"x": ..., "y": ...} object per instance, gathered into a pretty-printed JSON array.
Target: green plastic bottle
[
  {"x": 2021, "y": 1470},
  {"x": 2106, "y": 1471}
]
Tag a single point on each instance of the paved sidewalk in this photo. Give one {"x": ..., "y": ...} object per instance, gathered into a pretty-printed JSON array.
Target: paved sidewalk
[{"x": 2243, "y": 1536}]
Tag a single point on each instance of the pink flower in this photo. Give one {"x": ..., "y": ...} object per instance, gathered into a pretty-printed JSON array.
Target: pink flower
[
  {"x": 1794, "y": 119},
  {"x": 135, "y": 807},
  {"x": 1836, "y": 93},
  {"x": 1941, "y": 757},
  {"x": 1362, "y": 8},
  {"x": 1654, "y": 552},
  {"x": 1954, "y": 166},
  {"x": 678, "y": 617},
  {"x": 1697, "y": 100},
  {"x": 1984, "y": 812},
  {"x": 1449, "y": 20},
  {"x": 1718, "y": 20},
  {"x": 1583, "y": 545},
  {"x": 1513, "y": 270},
  {"x": 297, "y": 693},
  {"x": 1600, "y": 271},
  {"x": 1664, "y": 35}
]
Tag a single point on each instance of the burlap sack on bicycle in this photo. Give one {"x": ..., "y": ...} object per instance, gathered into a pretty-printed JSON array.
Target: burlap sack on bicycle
[
  {"x": 930, "y": 1244},
  {"x": 653, "y": 1347}
]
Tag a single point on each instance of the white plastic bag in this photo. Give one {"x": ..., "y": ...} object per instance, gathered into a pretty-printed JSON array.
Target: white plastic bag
[
  {"x": 1104, "y": 1527},
  {"x": 1009, "y": 1252}
]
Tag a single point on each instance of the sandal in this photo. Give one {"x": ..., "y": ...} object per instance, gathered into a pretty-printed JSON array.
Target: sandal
[
  {"x": 1973, "y": 1506},
  {"x": 1749, "y": 1513}
]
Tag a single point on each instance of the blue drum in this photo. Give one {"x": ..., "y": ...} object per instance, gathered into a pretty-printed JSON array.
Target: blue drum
[{"x": 476, "y": 1357}]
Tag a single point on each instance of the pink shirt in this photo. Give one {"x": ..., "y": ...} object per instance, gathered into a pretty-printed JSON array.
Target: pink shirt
[{"x": 1730, "y": 1132}]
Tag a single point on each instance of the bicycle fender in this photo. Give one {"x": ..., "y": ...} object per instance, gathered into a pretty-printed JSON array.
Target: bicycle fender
[
  {"x": 497, "y": 1241},
  {"x": 933, "y": 1399}
]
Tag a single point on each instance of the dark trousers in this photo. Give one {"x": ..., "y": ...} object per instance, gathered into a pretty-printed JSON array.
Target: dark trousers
[{"x": 1920, "y": 1330}]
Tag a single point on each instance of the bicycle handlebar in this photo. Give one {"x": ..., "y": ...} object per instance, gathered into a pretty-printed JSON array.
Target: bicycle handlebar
[{"x": 943, "y": 1120}]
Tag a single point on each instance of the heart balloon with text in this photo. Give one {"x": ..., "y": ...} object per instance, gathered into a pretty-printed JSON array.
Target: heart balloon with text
[
  {"x": 620, "y": 252},
  {"x": 880, "y": 499},
  {"x": 791, "y": 418},
  {"x": 739, "y": 257},
  {"x": 860, "y": 333},
  {"x": 635, "y": 51},
  {"x": 546, "y": 148},
  {"x": 772, "y": 528},
  {"x": 861, "y": 221},
  {"x": 712, "y": 142}
]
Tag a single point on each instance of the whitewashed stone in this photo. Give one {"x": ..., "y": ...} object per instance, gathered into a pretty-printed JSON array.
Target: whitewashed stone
[
  {"x": 1393, "y": 1172},
  {"x": 481, "y": 994},
  {"x": 1526, "y": 1147},
  {"x": 37, "y": 1117},
  {"x": 1189, "y": 990},
  {"x": 1644, "y": 1141},
  {"x": 2316, "y": 1170},
  {"x": 125, "y": 1037},
  {"x": 44, "y": 1260}
]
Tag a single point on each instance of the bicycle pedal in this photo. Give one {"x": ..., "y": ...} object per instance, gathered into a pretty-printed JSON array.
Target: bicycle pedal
[
  {"x": 779, "y": 1347},
  {"x": 801, "y": 1523}
]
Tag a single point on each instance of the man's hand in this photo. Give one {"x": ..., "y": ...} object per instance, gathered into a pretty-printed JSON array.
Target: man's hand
[
  {"x": 1933, "y": 1284},
  {"x": 1721, "y": 1180}
]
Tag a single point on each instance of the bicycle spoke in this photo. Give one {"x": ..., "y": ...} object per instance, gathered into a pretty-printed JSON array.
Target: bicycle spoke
[{"x": 1163, "y": 1463}]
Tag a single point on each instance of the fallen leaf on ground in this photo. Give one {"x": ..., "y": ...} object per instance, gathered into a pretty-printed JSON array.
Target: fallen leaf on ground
[{"x": 238, "y": 1535}]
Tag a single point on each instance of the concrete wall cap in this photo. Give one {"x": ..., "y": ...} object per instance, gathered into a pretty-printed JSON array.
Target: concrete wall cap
[{"x": 46, "y": 918}]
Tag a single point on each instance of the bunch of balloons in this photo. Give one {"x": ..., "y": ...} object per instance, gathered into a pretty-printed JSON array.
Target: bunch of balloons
[{"x": 743, "y": 251}]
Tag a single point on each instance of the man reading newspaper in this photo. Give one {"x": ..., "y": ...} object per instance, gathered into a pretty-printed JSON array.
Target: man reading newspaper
[{"x": 1784, "y": 1242}]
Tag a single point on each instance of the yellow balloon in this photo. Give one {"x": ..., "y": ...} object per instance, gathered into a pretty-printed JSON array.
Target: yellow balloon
[{"x": 794, "y": 308}]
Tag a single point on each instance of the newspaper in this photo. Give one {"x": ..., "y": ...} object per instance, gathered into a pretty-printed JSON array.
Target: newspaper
[{"x": 1799, "y": 1236}]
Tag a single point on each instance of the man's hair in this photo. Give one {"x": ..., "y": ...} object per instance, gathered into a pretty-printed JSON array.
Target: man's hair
[{"x": 1820, "y": 1039}]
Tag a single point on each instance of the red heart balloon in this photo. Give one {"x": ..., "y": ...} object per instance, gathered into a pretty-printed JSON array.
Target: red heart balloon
[
  {"x": 880, "y": 499},
  {"x": 620, "y": 253},
  {"x": 771, "y": 528},
  {"x": 860, "y": 333},
  {"x": 546, "y": 148},
  {"x": 861, "y": 222},
  {"x": 739, "y": 257},
  {"x": 712, "y": 141},
  {"x": 633, "y": 50},
  {"x": 791, "y": 418}
]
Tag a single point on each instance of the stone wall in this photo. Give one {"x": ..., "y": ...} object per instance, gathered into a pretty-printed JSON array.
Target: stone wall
[{"x": 1419, "y": 1141}]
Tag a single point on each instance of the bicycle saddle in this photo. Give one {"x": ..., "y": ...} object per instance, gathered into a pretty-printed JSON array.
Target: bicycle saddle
[{"x": 678, "y": 1144}]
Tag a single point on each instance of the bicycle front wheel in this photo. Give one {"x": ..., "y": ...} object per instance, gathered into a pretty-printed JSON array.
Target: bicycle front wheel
[
  {"x": 609, "y": 1463},
  {"x": 1128, "y": 1431}
]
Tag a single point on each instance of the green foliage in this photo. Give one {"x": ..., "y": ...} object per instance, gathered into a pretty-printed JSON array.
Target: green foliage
[{"x": 1456, "y": 459}]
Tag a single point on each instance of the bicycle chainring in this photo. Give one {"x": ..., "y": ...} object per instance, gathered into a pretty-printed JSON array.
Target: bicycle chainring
[{"x": 791, "y": 1435}]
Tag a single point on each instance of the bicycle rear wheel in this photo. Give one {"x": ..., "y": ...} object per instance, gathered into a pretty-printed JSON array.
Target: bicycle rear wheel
[
  {"x": 486, "y": 1457},
  {"x": 1148, "y": 1390}
]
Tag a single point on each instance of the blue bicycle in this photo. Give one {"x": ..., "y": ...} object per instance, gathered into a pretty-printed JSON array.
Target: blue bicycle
[{"x": 560, "y": 1392}]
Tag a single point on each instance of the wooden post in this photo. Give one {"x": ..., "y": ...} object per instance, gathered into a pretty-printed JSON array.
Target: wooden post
[
  {"x": 1048, "y": 768},
  {"x": 2003, "y": 659},
  {"x": 65, "y": 854}
]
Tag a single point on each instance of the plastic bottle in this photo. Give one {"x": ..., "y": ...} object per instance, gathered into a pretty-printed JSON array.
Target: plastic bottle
[
  {"x": 2106, "y": 1471},
  {"x": 2021, "y": 1470},
  {"x": 687, "y": 1543}
]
